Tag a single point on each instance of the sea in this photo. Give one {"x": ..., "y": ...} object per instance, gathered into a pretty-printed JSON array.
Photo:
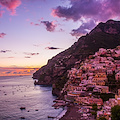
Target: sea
[{"x": 20, "y": 91}]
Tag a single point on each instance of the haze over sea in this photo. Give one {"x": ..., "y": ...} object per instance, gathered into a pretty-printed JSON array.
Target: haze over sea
[{"x": 19, "y": 91}]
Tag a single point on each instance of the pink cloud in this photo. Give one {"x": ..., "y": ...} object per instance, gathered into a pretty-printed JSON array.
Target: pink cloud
[
  {"x": 11, "y": 57},
  {"x": 37, "y": 24},
  {"x": 88, "y": 11},
  {"x": 10, "y": 19},
  {"x": 16, "y": 71},
  {"x": 32, "y": 23},
  {"x": 2, "y": 35},
  {"x": 1, "y": 13},
  {"x": 10, "y": 5},
  {"x": 50, "y": 26},
  {"x": 41, "y": 19},
  {"x": 28, "y": 20},
  {"x": 96, "y": 9}
]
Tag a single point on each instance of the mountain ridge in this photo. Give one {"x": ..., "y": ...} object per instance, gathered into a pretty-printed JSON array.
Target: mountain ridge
[{"x": 104, "y": 35}]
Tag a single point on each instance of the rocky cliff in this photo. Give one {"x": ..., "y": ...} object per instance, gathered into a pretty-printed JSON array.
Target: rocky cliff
[{"x": 104, "y": 35}]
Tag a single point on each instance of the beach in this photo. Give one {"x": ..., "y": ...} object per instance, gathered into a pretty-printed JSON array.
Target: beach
[{"x": 72, "y": 114}]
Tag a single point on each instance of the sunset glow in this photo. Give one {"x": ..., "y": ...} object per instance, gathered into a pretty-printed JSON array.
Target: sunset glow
[
  {"x": 16, "y": 71},
  {"x": 33, "y": 31}
]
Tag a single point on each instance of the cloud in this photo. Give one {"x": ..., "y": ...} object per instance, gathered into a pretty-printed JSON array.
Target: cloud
[
  {"x": 16, "y": 71},
  {"x": 50, "y": 26},
  {"x": 61, "y": 30},
  {"x": 28, "y": 20},
  {"x": 88, "y": 8},
  {"x": 10, "y": 5},
  {"x": 8, "y": 72},
  {"x": 2, "y": 35},
  {"x": 36, "y": 45},
  {"x": 84, "y": 28},
  {"x": 32, "y": 54},
  {"x": 37, "y": 24},
  {"x": 5, "y": 51},
  {"x": 96, "y": 10},
  {"x": 11, "y": 57},
  {"x": 52, "y": 48},
  {"x": 77, "y": 9},
  {"x": 27, "y": 57},
  {"x": 1, "y": 13},
  {"x": 32, "y": 23}
]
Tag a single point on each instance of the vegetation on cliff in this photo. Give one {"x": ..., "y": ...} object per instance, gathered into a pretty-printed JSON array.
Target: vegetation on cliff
[{"x": 115, "y": 112}]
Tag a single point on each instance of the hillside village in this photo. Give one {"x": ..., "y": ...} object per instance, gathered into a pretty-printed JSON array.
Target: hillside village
[
  {"x": 95, "y": 81},
  {"x": 104, "y": 35}
]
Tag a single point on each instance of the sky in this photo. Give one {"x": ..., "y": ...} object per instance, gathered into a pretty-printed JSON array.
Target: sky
[{"x": 33, "y": 31}]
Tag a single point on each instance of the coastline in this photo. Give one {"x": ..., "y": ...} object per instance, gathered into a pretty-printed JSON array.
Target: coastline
[
  {"x": 65, "y": 109},
  {"x": 71, "y": 114}
]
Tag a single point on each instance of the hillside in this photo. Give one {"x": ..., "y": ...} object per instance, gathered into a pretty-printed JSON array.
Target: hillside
[{"x": 104, "y": 35}]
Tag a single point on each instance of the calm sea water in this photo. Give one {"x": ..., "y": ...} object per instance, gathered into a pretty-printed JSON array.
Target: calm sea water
[{"x": 16, "y": 92}]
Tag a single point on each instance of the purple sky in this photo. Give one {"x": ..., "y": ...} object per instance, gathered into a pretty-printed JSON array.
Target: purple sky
[{"x": 33, "y": 31}]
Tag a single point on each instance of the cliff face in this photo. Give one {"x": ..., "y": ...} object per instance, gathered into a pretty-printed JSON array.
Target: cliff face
[{"x": 104, "y": 35}]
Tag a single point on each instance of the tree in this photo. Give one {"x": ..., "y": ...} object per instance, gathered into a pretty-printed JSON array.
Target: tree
[
  {"x": 95, "y": 114},
  {"x": 106, "y": 96},
  {"x": 102, "y": 118},
  {"x": 115, "y": 112},
  {"x": 94, "y": 107}
]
